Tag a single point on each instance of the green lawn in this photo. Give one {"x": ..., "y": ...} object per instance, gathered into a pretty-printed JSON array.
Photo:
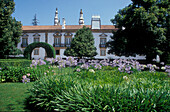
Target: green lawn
[{"x": 13, "y": 96}]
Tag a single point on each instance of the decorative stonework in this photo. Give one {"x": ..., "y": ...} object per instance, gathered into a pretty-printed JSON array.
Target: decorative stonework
[
  {"x": 103, "y": 35},
  {"x": 57, "y": 34},
  {"x": 36, "y": 35},
  {"x": 68, "y": 34},
  {"x": 25, "y": 35}
]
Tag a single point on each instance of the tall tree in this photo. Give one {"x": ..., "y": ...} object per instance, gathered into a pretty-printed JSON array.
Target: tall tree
[
  {"x": 82, "y": 44},
  {"x": 35, "y": 21},
  {"x": 10, "y": 29},
  {"x": 143, "y": 29}
]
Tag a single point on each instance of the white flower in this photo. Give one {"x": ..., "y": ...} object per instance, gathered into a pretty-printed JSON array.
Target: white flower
[
  {"x": 78, "y": 70},
  {"x": 125, "y": 77},
  {"x": 144, "y": 66},
  {"x": 91, "y": 70},
  {"x": 154, "y": 66},
  {"x": 163, "y": 68}
]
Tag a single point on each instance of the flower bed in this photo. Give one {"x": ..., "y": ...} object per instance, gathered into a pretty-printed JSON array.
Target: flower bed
[
  {"x": 81, "y": 85},
  {"x": 120, "y": 85}
]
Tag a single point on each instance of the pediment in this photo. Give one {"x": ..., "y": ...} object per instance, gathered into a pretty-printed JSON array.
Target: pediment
[
  {"x": 36, "y": 35},
  {"x": 25, "y": 35},
  {"x": 57, "y": 34},
  {"x": 103, "y": 35},
  {"x": 68, "y": 34}
]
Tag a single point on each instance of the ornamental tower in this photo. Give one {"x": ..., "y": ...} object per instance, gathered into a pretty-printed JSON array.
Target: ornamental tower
[
  {"x": 64, "y": 23},
  {"x": 81, "y": 19},
  {"x": 56, "y": 20}
]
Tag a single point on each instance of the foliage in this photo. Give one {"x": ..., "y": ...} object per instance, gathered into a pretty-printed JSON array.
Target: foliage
[
  {"x": 93, "y": 86},
  {"x": 74, "y": 93},
  {"x": 82, "y": 44},
  {"x": 48, "y": 48},
  {"x": 15, "y": 62},
  {"x": 15, "y": 51},
  {"x": 35, "y": 21},
  {"x": 10, "y": 29},
  {"x": 15, "y": 74},
  {"x": 143, "y": 29}
]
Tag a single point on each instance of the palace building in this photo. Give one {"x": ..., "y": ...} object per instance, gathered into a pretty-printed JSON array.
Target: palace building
[{"x": 60, "y": 37}]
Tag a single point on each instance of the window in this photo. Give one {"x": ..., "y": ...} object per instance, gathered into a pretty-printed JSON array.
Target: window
[
  {"x": 24, "y": 42},
  {"x": 57, "y": 41},
  {"x": 36, "y": 39},
  {"x": 102, "y": 41},
  {"x": 103, "y": 52},
  {"x": 46, "y": 37},
  {"x": 57, "y": 52},
  {"x": 67, "y": 41},
  {"x": 36, "y": 52}
]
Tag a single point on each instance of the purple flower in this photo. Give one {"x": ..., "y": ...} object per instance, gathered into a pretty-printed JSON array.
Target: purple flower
[
  {"x": 167, "y": 70},
  {"x": 120, "y": 69},
  {"x": 85, "y": 66},
  {"x": 98, "y": 66},
  {"x": 167, "y": 66},
  {"x": 26, "y": 80},
  {"x": 41, "y": 62},
  {"x": 68, "y": 63}
]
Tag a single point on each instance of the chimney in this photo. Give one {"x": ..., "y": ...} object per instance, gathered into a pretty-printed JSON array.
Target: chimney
[{"x": 95, "y": 22}]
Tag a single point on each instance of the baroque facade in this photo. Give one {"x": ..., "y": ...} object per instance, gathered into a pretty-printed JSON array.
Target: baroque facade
[{"x": 60, "y": 37}]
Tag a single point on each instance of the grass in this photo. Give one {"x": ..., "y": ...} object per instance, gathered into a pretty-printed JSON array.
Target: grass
[{"x": 13, "y": 96}]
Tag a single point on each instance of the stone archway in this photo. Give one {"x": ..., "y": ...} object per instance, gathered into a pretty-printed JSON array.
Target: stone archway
[{"x": 48, "y": 48}]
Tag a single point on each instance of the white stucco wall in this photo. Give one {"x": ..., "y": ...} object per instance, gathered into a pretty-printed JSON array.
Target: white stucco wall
[{"x": 51, "y": 42}]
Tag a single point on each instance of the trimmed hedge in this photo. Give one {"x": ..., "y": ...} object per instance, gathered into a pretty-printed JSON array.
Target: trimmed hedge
[
  {"x": 15, "y": 62},
  {"x": 48, "y": 48},
  {"x": 15, "y": 74}
]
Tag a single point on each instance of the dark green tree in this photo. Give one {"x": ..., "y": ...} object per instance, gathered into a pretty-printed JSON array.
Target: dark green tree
[
  {"x": 10, "y": 29},
  {"x": 82, "y": 44},
  {"x": 143, "y": 29},
  {"x": 35, "y": 21}
]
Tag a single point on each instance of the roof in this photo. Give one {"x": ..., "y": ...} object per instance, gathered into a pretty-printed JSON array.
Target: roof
[{"x": 67, "y": 27}]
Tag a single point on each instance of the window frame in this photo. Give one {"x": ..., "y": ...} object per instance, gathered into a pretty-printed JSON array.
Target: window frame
[
  {"x": 37, "y": 52},
  {"x": 101, "y": 52},
  {"x": 36, "y": 38}
]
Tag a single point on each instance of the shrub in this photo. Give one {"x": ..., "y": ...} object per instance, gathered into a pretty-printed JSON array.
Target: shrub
[
  {"x": 72, "y": 93},
  {"x": 15, "y": 62},
  {"x": 14, "y": 74}
]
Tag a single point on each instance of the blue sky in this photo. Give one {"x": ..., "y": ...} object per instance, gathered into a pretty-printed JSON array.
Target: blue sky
[{"x": 68, "y": 9}]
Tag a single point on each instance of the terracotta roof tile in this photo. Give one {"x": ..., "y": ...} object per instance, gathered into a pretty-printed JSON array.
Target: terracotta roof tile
[
  {"x": 107, "y": 27},
  {"x": 76, "y": 26},
  {"x": 41, "y": 27},
  {"x": 52, "y": 27}
]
